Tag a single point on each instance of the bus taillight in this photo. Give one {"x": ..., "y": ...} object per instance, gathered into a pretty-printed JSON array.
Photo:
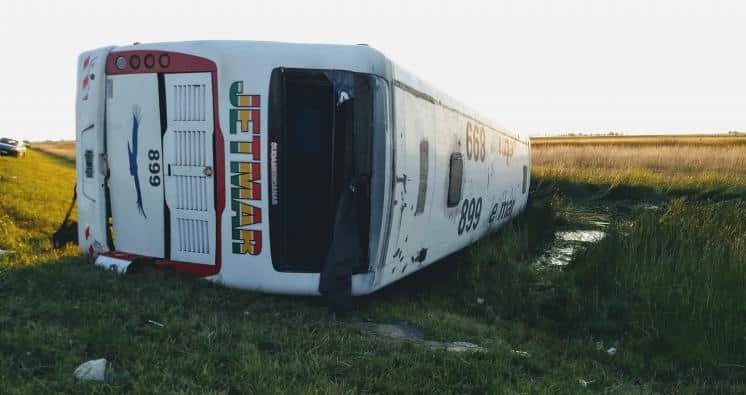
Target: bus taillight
[{"x": 164, "y": 60}]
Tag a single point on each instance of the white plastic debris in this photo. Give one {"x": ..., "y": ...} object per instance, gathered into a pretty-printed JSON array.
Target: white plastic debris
[
  {"x": 113, "y": 263},
  {"x": 480, "y": 300},
  {"x": 463, "y": 347},
  {"x": 94, "y": 370},
  {"x": 611, "y": 351},
  {"x": 584, "y": 383},
  {"x": 156, "y": 323},
  {"x": 520, "y": 353}
]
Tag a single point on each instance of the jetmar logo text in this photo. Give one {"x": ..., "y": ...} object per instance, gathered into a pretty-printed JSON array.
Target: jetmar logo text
[{"x": 245, "y": 149}]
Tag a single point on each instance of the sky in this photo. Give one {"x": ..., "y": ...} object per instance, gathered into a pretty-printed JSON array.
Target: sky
[{"x": 537, "y": 67}]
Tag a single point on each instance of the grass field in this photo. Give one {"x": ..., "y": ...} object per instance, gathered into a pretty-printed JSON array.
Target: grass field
[{"x": 664, "y": 287}]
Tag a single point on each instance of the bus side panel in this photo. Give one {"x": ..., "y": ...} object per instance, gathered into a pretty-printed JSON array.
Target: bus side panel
[
  {"x": 492, "y": 183},
  {"x": 413, "y": 121},
  {"x": 90, "y": 150}
]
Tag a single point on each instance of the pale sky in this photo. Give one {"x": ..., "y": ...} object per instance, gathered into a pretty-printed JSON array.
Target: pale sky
[{"x": 537, "y": 67}]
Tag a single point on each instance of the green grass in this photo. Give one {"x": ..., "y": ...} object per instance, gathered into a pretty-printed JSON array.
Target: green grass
[
  {"x": 57, "y": 310},
  {"x": 34, "y": 194},
  {"x": 672, "y": 283}
]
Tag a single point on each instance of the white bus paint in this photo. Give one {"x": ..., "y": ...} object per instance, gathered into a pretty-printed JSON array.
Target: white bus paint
[{"x": 406, "y": 233}]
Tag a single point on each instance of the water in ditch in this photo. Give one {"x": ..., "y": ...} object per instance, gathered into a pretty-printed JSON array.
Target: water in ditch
[{"x": 585, "y": 226}]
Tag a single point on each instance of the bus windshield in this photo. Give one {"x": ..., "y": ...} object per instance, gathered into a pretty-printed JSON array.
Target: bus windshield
[{"x": 322, "y": 129}]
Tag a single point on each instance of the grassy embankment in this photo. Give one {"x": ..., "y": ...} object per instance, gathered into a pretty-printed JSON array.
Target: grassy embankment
[
  {"x": 662, "y": 287},
  {"x": 64, "y": 149}
]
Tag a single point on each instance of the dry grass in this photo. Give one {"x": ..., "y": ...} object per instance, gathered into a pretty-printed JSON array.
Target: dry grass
[
  {"x": 670, "y": 161},
  {"x": 658, "y": 140},
  {"x": 65, "y": 149}
]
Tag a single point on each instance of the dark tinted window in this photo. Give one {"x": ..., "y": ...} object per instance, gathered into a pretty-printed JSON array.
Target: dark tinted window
[
  {"x": 455, "y": 176},
  {"x": 308, "y": 187},
  {"x": 525, "y": 178},
  {"x": 422, "y": 192},
  {"x": 321, "y": 127}
]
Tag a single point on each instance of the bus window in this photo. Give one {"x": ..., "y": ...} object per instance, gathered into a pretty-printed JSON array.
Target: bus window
[
  {"x": 308, "y": 196},
  {"x": 422, "y": 192},
  {"x": 525, "y": 177},
  {"x": 455, "y": 176}
]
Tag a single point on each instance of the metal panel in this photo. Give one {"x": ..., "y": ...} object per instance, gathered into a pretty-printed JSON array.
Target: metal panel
[{"x": 188, "y": 154}]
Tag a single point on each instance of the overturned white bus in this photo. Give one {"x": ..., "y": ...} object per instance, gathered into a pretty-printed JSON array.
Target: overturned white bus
[{"x": 285, "y": 168}]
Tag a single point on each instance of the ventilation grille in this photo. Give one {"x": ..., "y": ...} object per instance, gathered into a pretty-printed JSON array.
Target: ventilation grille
[
  {"x": 191, "y": 193},
  {"x": 191, "y": 148},
  {"x": 194, "y": 236},
  {"x": 190, "y": 102}
]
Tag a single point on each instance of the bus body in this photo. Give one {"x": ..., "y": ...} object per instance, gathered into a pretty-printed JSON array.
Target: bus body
[{"x": 265, "y": 165}]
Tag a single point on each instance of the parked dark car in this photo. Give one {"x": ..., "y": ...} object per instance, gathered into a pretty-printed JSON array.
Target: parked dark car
[{"x": 13, "y": 147}]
